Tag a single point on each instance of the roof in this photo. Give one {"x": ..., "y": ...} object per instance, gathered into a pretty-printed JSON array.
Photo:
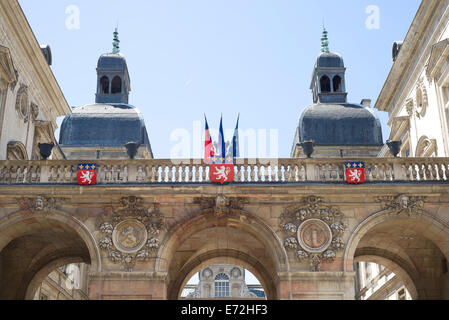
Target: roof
[
  {"x": 340, "y": 124},
  {"x": 330, "y": 60},
  {"x": 112, "y": 61},
  {"x": 104, "y": 124}
]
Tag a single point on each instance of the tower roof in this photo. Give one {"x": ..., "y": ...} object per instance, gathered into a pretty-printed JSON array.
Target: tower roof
[
  {"x": 103, "y": 124},
  {"x": 340, "y": 124}
]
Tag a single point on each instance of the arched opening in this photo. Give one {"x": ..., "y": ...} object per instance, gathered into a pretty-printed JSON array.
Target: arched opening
[
  {"x": 204, "y": 239},
  {"x": 414, "y": 248},
  {"x": 116, "y": 85},
  {"x": 223, "y": 281},
  {"x": 104, "y": 85},
  {"x": 336, "y": 81},
  {"x": 378, "y": 278},
  {"x": 32, "y": 246},
  {"x": 325, "y": 84}
]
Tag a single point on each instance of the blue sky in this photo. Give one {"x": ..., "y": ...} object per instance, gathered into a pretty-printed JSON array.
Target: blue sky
[{"x": 253, "y": 57}]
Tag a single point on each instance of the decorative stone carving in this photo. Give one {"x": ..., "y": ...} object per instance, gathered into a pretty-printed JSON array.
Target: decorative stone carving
[
  {"x": 426, "y": 147},
  {"x": 34, "y": 111},
  {"x": 207, "y": 273},
  {"x": 314, "y": 236},
  {"x": 7, "y": 70},
  {"x": 22, "y": 102},
  {"x": 318, "y": 228},
  {"x": 107, "y": 228},
  {"x": 106, "y": 243},
  {"x": 39, "y": 203},
  {"x": 129, "y": 236},
  {"x": 236, "y": 273},
  {"x": 410, "y": 205},
  {"x": 221, "y": 205},
  {"x": 410, "y": 107},
  {"x": 291, "y": 243},
  {"x": 290, "y": 228},
  {"x": 130, "y": 232},
  {"x": 422, "y": 100},
  {"x": 16, "y": 151}
]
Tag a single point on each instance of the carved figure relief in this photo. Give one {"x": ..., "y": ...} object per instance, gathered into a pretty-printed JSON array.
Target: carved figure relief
[
  {"x": 39, "y": 203},
  {"x": 313, "y": 230},
  {"x": 402, "y": 204},
  {"x": 221, "y": 205},
  {"x": 130, "y": 234}
]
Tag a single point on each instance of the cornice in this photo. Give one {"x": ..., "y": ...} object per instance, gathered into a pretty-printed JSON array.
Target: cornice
[
  {"x": 28, "y": 44},
  {"x": 422, "y": 32}
]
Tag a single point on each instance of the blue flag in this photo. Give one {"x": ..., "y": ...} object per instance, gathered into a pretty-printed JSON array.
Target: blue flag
[
  {"x": 221, "y": 144},
  {"x": 235, "y": 141}
]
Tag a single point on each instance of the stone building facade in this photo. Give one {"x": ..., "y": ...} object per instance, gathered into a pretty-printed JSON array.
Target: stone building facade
[
  {"x": 149, "y": 224},
  {"x": 222, "y": 282},
  {"x": 30, "y": 97},
  {"x": 415, "y": 92}
]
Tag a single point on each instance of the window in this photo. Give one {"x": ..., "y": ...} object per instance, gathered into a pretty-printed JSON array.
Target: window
[
  {"x": 221, "y": 286},
  {"x": 116, "y": 85},
  {"x": 104, "y": 85},
  {"x": 325, "y": 83},
  {"x": 337, "y": 83},
  {"x": 402, "y": 295}
]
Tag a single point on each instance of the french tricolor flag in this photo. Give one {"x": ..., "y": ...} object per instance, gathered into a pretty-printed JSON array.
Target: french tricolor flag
[{"x": 209, "y": 150}]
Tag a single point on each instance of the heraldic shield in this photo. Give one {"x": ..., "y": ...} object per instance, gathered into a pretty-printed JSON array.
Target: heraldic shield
[
  {"x": 355, "y": 172},
  {"x": 87, "y": 174},
  {"x": 221, "y": 173}
]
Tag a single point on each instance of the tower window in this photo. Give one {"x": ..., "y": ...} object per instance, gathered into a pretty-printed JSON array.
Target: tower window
[
  {"x": 116, "y": 85},
  {"x": 325, "y": 83},
  {"x": 221, "y": 286},
  {"x": 337, "y": 83},
  {"x": 104, "y": 85}
]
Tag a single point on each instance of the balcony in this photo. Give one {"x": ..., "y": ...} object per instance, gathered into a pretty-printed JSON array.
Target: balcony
[{"x": 247, "y": 171}]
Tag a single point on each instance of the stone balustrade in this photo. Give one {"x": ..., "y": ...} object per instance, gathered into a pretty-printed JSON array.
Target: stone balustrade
[{"x": 274, "y": 171}]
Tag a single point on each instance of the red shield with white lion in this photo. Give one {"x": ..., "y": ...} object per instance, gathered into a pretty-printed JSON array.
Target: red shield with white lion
[{"x": 221, "y": 173}]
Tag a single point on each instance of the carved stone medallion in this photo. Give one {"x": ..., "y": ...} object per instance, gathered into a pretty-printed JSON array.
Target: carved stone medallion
[
  {"x": 313, "y": 231},
  {"x": 130, "y": 233},
  {"x": 314, "y": 236},
  {"x": 129, "y": 236}
]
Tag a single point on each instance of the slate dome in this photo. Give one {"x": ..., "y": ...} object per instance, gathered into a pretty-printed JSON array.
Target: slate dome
[
  {"x": 330, "y": 60},
  {"x": 340, "y": 124},
  {"x": 103, "y": 124},
  {"x": 112, "y": 61}
]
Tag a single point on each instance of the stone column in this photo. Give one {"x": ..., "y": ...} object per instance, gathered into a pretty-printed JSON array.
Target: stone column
[
  {"x": 127, "y": 286},
  {"x": 316, "y": 286}
]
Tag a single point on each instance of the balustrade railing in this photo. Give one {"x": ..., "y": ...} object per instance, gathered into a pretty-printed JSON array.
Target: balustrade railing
[{"x": 274, "y": 171}]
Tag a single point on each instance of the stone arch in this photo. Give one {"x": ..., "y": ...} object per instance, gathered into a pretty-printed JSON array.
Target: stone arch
[
  {"x": 32, "y": 244},
  {"x": 243, "y": 225},
  {"x": 375, "y": 234},
  {"x": 401, "y": 268},
  {"x": 337, "y": 83},
  {"x": 45, "y": 271},
  {"x": 426, "y": 147},
  {"x": 16, "y": 151},
  {"x": 230, "y": 257},
  {"x": 104, "y": 85},
  {"x": 116, "y": 85},
  {"x": 325, "y": 84}
]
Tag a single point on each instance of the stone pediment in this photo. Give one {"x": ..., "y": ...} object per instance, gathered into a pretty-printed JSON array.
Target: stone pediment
[
  {"x": 7, "y": 69},
  {"x": 399, "y": 125},
  {"x": 439, "y": 53}
]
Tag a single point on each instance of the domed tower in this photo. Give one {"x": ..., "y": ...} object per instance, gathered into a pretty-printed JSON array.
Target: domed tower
[
  {"x": 101, "y": 130},
  {"x": 339, "y": 128}
]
